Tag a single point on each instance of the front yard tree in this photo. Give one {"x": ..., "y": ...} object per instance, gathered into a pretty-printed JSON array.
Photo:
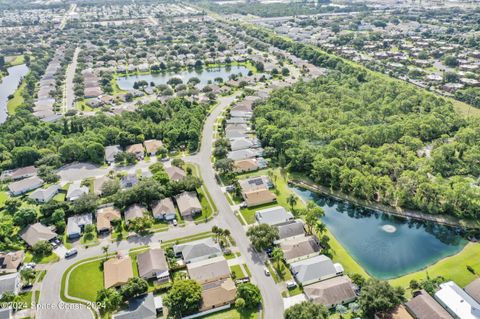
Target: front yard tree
[
  {"x": 250, "y": 294},
  {"x": 313, "y": 213},
  {"x": 25, "y": 216},
  {"x": 109, "y": 299},
  {"x": 262, "y": 236},
  {"x": 306, "y": 310},
  {"x": 184, "y": 298},
  {"x": 379, "y": 297},
  {"x": 42, "y": 249}
]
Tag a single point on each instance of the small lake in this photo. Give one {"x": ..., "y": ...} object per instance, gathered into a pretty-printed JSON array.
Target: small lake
[
  {"x": 9, "y": 85},
  {"x": 384, "y": 245},
  {"x": 204, "y": 75}
]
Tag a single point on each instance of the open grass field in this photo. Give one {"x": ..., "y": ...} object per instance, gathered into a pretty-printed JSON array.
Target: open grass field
[
  {"x": 3, "y": 198},
  {"x": 451, "y": 268},
  {"x": 85, "y": 280},
  {"x": 17, "y": 99},
  {"x": 15, "y": 60},
  {"x": 465, "y": 109}
]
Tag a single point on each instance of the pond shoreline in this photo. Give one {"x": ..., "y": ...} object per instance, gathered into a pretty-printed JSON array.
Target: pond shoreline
[{"x": 395, "y": 211}]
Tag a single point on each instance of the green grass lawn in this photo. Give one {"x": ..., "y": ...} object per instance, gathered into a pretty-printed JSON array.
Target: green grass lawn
[
  {"x": 233, "y": 314},
  {"x": 186, "y": 239},
  {"x": 452, "y": 268},
  {"x": 17, "y": 99},
  {"x": 15, "y": 60},
  {"x": 249, "y": 212},
  {"x": 45, "y": 260},
  {"x": 60, "y": 197},
  {"x": 3, "y": 198},
  {"x": 24, "y": 298},
  {"x": 235, "y": 269},
  {"x": 247, "y": 270},
  {"x": 85, "y": 280}
]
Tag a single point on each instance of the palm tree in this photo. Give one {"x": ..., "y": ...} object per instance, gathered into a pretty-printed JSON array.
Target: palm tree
[
  {"x": 277, "y": 256},
  {"x": 320, "y": 227},
  {"x": 292, "y": 201},
  {"x": 105, "y": 251}
]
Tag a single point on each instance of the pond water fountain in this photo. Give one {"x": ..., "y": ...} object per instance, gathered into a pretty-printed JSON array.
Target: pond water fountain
[{"x": 384, "y": 245}]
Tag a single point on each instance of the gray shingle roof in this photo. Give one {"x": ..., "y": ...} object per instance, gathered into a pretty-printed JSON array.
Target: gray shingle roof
[
  {"x": 312, "y": 269},
  {"x": 142, "y": 307},
  {"x": 197, "y": 249}
]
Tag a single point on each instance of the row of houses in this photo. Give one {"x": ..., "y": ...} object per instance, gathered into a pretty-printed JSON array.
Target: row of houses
[
  {"x": 322, "y": 280},
  {"x": 149, "y": 147},
  {"x": 44, "y": 104}
]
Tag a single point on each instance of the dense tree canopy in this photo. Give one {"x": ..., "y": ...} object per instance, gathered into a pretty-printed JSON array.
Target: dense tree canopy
[
  {"x": 184, "y": 298},
  {"x": 306, "y": 310},
  {"x": 378, "y": 140},
  {"x": 379, "y": 297}
]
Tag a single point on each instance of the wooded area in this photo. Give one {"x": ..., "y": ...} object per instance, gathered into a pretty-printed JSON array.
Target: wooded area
[{"x": 377, "y": 139}]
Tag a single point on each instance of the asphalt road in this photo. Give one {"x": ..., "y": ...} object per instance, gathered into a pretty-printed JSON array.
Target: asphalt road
[
  {"x": 70, "y": 74},
  {"x": 271, "y": 294}
]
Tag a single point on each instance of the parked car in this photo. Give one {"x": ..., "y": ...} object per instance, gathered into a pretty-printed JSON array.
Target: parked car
[
  {"x": 174, "y": 222},
  {"x": 291, "y": 284},
  {"x": 71, "y": 253},
  {"x": 266, "y": 271}
]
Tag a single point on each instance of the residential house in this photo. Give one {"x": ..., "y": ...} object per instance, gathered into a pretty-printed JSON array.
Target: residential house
[
  {"x": 209, "y": 270},
  {"x": 188, "y": 204},
  {"x": 76, "y": 190},
  {"x": 473, "y": 289},
  {"x": 10, "y": 283},
  {"x": 44, "y": 195},
  {"x": 457, "y": 302},
  {"x": 6, "y": 313},
  {"x": 152, "y": 146},
  {"x": 110, "y": 152},
  {"x": 35, "y": 233},
  {"x": 25, "y": 185},
  {"x": 242, "y": 143},
  {"x": 301, "y": 248},
  {"x": 290, "y": 230},
  {"x": 142, "y": 307},
  {"x": 247, "y": 165},
  {"x": 98, "y": 184},
  {"x": 137, "y": 150},
  {"x": 175, "y": 173},
  {"x": 164, "y": 209},
  {"x": 198, "y": 250},
  {"x": 242, "y": 154},
  {"x": 134, "y": 211},
  {"x": 255, "y": 183},
  {"x": 129, "y": 180},
  {"x": 76, "y": 225},
  {"x": 331, "y": 292},
  {"x": 423, "y": 306},
  {"x": 312, "y": 270},
  {"x": 258, "y": 197},
  {"x": 218, "y": 293},
  {"x": 19, "y": 173},
  {"x": 105, "y": 216},
  {"x": 117, "y": 270},
  {"x": 11, "y": 261},
  {"x": 399, "y": 312},
  {"x": 153, "y": 264},
  {"x": 273, "y": 215}
]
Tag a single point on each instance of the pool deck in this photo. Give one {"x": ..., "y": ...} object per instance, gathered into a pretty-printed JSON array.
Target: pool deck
[{"x": 396, "y": 211}]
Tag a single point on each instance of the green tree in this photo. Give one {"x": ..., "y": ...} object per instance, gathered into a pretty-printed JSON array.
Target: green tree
[
  {"x": 307, "y": 310},
  {"x": 25, "y": 216},
  {"x": 262, "y": 236},
  {"x": 313, "y": 213},
  {"x": 379, "y": 297},
  {"x": 42, "y": 248},
  {"x": 250, "y": 294},
  {"x": 109, "y": 299},
  {"x": 185, "y": 297},
  {"x": 134, "y": 287},
  {"x": 292, "y": 201},
  {"x": 277, "y": 256}
]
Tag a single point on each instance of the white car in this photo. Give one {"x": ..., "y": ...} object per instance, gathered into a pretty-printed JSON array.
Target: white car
[
  {"x": 174, "y": 222},
  {"x": 266, "y": 271},
  {"x": 71, "y": 253}
]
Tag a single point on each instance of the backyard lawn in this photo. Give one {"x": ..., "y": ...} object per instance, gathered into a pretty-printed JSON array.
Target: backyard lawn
[
  {"x": 249, "y": 212},
  {"x": 233, "y": 314},
  {"x": 85, "y": 280},
  {"x": 45, "y": 260},
  {"x": 17, "y": 99},
  {"x": 452, "y": 268}
]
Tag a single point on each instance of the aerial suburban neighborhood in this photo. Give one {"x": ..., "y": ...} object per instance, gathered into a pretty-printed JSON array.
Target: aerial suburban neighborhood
[{"x": 240, "y": 159}]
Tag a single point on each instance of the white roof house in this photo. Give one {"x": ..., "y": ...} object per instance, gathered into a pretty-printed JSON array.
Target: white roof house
[
  {"x": 76, "y": 190},
  {"x": 273, "y": 215},
  {"x": 76, "y": 223},
  {"x": 457, "y": 302},
  {"x": 44, "y": 195}
]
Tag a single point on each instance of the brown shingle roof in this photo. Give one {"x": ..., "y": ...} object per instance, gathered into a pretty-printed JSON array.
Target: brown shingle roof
[
  {"x": 259, "y": 197},
  {"x": 175, "y": 173},
  {"x": 105, "y": 216},
  {"x": 35, "y": 233},
  {"x": 188, "y": 203},
  {"x": 151, "y": 262},
  {"x": 11, "y": 260},
  {"x": 134, "y": 211},
  {"x": 117, "y": 271},
  {"x": 152, "y": 146},
  {"x": 473, "y": 289},
  {"x": 218, "y": 293},
  {"x": 424, "y": 306},
  {"x": 297, "y": 248}
]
